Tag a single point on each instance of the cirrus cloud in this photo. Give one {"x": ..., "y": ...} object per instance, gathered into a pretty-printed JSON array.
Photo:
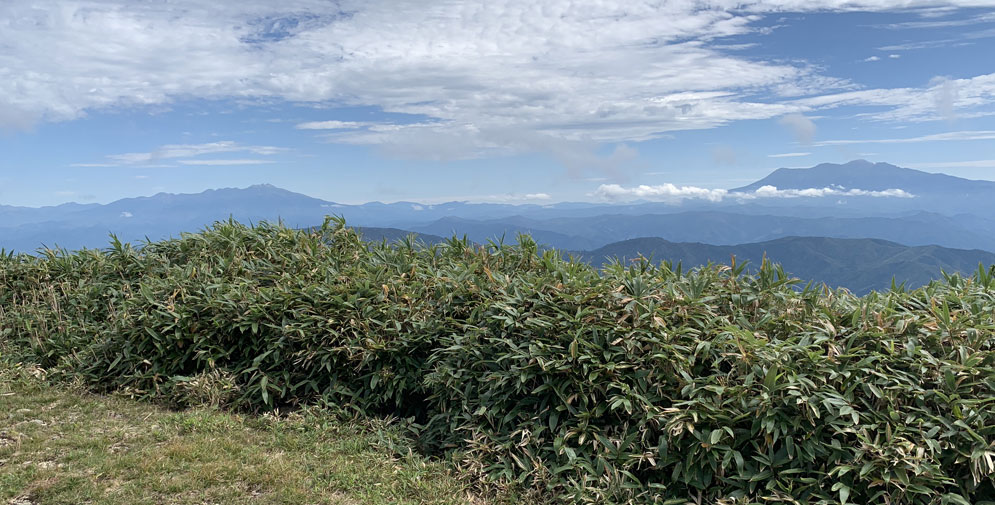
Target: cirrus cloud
[{"x": 174, "y": 151}]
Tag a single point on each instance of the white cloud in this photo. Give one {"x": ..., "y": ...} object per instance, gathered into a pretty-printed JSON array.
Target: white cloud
[
  {"x": 773, "y": 192},
  {"x": 612, "y": 71},
  {"x": 938, "y": 137},
  {"x": 666, "y": 191},
  {"x": 788, "y": 155},
  {"x": 878, "y": 58},
  {"x": 970, "y": 97},
  {"x": 670, "y": 192},
  {"x": 802, "y": 127},
  {"x": 173, "y": 151},
  {"x": 331, "y": 125},
  {"x": 537, "y": 196},
  {"x": 224, "y": 162},
  {"x": 945, "y": 95},
  {"x": 972, "y": 20},
  {"x": 186, "y": 151},
  {"x": 126, "y": 214},
  {"x": 925, "y": 44}
]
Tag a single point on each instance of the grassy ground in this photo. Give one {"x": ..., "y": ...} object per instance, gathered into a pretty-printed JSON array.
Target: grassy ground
[{"x": 59, "y": 445}]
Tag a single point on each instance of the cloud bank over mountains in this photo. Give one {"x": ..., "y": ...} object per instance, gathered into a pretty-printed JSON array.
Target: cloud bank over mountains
[
  {"x": 474, "y": 78},
  {"x": 670, "y": 192}
]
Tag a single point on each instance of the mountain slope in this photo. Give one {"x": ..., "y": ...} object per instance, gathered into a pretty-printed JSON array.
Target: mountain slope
[
  {"x": 12, "y": 216},
  {"x": 860, "y": 265},
  {"x": 156, "y": 217},
  {"x": 507, "y": 230},
  {"x": 945, "y": 210},
  {"x": 373, "y": 234},
  {"x": 939, "y": 193},
  {"x": 862, "y": 174},
  {"x": 725, "y": 228}
]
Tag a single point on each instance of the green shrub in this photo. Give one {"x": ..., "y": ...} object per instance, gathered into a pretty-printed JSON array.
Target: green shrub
[{"x": 638, "y": 384}]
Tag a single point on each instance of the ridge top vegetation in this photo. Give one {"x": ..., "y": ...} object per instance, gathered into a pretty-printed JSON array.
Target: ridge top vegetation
[{"x": 635, "y": 383}]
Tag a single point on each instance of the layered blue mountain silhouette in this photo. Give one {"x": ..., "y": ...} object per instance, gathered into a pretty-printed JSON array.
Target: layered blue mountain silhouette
[
  {"x": 946, "y": 212},
  {"x": 870, "y": 176},
  {"x": 860, "y": 265}
]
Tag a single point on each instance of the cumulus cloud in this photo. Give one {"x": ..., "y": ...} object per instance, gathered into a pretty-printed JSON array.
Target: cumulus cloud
[
  {"x": 538, "y": 196},
  {"x": 14, "y": 117},
  {"x": 666, "y": 191},
  {"x": 873, "y": 58},
  {"x": 802, "y": 127},
  {"x": 671, "y": 192},
  {"x": 773, "y": 192}
]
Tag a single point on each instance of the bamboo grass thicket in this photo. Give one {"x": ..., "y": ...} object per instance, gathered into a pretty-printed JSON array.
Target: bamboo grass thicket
[{"x": 639, "y": 383}]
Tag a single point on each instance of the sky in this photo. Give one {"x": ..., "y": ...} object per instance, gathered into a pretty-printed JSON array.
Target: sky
[{"x": 517, "y": 101}]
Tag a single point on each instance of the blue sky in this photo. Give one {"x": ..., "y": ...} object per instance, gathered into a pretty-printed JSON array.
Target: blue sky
[{"x": 503, "y": 101}]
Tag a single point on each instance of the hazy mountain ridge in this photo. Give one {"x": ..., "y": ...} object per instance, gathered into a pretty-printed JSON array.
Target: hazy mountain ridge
[
  {"x": 946, "y": 211},
  {"x": 723, "y": 228},
  {"x": 862, "y": 174},
  {"x": 391, "y": 235},
  {"x": 860, "y": 265}
]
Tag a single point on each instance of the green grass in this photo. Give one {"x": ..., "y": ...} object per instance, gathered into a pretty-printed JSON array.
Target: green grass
[{"x": 61, "y": 445}]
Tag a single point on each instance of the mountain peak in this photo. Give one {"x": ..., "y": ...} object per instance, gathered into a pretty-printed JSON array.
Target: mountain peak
[
  {"x": 861, "y": 164},
  {"x": 861, "y": 174}
]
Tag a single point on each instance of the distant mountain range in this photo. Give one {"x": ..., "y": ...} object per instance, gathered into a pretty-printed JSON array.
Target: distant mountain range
[
  {"x": 860, "y": 265},
  {"x": 945, "y": 211},
  {"x": 858, "y": 241},
  {"x": 724, "y": 228}
]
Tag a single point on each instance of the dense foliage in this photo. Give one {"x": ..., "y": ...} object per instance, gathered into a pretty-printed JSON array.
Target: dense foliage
[{"x": 638, "y": 383}]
